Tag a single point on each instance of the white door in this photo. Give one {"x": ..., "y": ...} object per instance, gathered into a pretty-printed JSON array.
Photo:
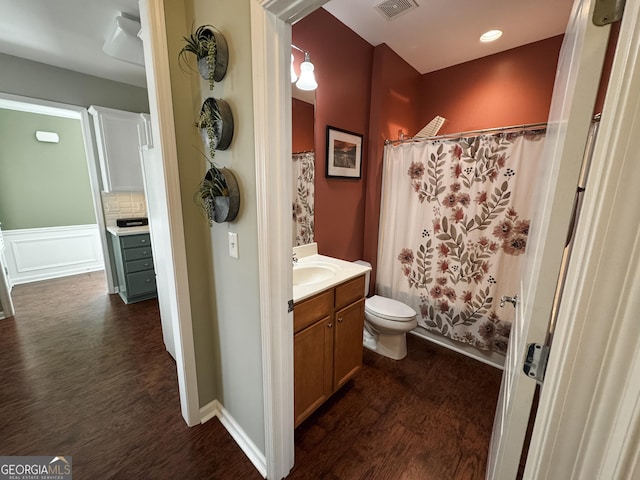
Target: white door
[
  {"x": 154, "y": 190},
  {"x": 577, "y": 79}
]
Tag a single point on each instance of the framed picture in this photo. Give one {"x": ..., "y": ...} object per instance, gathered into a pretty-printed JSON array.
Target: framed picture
[{"x": 344, "y": 153}]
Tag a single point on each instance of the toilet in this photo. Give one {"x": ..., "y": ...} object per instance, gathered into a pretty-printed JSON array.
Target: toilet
[{"x": 386, "y": 323}]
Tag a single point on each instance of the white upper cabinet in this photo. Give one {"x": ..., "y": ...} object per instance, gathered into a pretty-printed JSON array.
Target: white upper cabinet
[{"x": 118, "y": 148}]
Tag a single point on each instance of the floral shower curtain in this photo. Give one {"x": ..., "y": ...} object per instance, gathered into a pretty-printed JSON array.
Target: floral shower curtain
[
  {"x": 303, "y": 197},
  {"x": 454, "y": 224}
]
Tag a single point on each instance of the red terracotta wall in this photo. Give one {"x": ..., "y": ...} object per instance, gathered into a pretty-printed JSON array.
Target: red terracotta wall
[
  {"x": 372, "y": 91},
  {"x": 342, "y": 62},
  {"x": 394, "y": 88},
  {"x": 302, "y": 128},
  {"x": 508, "y": 88}
]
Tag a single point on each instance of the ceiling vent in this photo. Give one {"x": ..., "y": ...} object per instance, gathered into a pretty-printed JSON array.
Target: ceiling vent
[{"x": 391, "y": 9}]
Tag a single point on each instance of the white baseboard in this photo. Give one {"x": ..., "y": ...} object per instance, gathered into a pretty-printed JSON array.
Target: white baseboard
[
  {"x": 490, "y": 358},
  {"x": 36, "y": 254},
  {"x": 209, "y": 411},
  {"x": 253, "y": 453}
]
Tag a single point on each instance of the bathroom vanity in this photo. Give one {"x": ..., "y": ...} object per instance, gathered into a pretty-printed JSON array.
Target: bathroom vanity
[{"x": 328, "y": 325}]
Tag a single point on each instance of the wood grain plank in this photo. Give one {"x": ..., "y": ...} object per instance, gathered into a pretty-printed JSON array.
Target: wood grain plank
[
  {"x": 83, "y": 374},
  {"x": 87, "y": 376}
]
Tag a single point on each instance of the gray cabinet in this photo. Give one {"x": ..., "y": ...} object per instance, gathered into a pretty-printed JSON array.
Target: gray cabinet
[{"x": 134, "y": 267}]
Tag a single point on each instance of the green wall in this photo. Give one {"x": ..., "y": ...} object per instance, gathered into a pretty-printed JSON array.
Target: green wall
[{"x": 42, "y": 184}]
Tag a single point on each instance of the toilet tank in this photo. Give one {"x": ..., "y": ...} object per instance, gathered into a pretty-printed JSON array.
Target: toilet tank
[{"x": 367, "y": 276}]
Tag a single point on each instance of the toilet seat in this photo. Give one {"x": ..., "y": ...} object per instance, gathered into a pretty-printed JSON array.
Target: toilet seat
[{"x": 389, "y": 309}]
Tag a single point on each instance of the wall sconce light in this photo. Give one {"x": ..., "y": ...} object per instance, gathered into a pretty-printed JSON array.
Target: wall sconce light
[
  {"x": 47, "y": 137},
  {"x": 307, "y": 80}
]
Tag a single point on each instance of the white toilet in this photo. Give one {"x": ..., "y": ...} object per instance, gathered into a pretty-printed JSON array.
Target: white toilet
[{"x": 386, "y": 323}]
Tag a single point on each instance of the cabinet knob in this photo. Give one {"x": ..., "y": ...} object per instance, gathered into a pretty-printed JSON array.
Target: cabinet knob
[
  {"x": 148, "y": 280},
  {"x": 329, "y": 325},
  {"x": 340, "y": 319}
]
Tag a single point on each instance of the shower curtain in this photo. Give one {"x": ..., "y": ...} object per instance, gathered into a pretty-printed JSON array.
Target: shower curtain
[
  {"x": 454, "y": 223},
  {"x": 303, "y": 197}
]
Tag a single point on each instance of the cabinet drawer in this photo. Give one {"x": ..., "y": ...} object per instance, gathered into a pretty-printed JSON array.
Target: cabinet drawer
[
  {"x": 132, "y": 241},
  {"x": 136, "y": 253},
  {"x": 138, "y": 265},
  {"x": 141, "y": 282},
  {"x": 313, "y": 309},
  {"x": 349, "y": 291}
]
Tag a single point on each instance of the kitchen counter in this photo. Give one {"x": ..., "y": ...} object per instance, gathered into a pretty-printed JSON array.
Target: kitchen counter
[
  {"x": 308, "y": 256},
  {"x": 124, "y": 231}
]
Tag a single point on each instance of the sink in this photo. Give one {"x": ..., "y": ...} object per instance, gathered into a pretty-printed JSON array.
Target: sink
[{"x": 312, "y": 273}]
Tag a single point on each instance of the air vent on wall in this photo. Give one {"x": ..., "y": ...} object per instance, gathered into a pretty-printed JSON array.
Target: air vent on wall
[{"x": 391, "y": 9}]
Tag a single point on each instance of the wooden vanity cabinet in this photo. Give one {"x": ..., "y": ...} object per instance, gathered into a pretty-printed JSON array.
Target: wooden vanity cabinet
[
  {"x": 347, "y": 348},
  {"x": 327, "y": 344}
]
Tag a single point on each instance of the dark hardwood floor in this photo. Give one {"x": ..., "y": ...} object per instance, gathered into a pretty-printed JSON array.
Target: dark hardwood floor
[
  {"x": 427, "y": 417},
  {"x": 83, "y": 374}
]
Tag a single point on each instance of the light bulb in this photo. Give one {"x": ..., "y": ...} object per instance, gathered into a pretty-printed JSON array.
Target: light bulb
[
  {"x": 307, "y": 80},
  {"x": 490, "y": 36}
]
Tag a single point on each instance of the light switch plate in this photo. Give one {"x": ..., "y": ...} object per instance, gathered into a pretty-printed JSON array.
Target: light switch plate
[{"x": 233, "y": 244}]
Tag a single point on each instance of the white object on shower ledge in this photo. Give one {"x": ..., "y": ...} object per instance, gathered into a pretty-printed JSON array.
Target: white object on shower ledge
[{"x": 432, "y": 128}]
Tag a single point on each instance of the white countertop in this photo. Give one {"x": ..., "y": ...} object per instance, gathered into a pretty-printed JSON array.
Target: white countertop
[
  {"x": 123, "y": 231},
  {"x": 308, "y": 254}
]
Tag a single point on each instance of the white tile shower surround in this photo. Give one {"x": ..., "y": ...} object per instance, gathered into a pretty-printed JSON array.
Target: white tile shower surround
[{"x": 122, "y": 205}]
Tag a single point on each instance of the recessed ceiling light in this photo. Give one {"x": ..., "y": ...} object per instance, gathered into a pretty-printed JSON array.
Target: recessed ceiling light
[{"x": 491, "y": 35}]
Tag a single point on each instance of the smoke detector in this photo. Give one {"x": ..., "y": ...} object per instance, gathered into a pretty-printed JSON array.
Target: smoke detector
[{"x": 391, "y": 9}]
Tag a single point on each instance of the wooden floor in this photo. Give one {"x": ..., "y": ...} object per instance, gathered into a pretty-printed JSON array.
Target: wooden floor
[
  {"x": 84, "y": 375},
  {"x": 427, "y": 417}
]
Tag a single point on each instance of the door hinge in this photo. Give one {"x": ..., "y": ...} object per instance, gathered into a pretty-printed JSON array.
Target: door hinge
[
  {"x": 535, "y": 364},
  {"x": 290, "y": 306},
  {"x": 607, "y": 11}
]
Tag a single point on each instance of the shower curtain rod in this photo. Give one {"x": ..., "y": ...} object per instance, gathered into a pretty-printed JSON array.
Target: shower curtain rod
[{"x": 525, "y": 126}]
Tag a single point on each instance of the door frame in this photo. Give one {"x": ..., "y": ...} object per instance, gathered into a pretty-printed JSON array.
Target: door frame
[
  {"x": 271, "y": 64},
  {"x": 161, "y": 110},
  {"x": 47, "y": 107}
]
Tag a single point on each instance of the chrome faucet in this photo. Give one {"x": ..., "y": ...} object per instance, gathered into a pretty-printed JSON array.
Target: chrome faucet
[{"x": 512, "y": 300}]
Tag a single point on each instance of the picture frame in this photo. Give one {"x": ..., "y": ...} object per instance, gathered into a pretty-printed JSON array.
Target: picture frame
[{"x": 344, "y": 153}]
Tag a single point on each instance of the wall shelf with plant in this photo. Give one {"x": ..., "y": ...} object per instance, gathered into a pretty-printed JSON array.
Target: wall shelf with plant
[
  {"x": 218, "y": 194},
  {"x": 211, "y": 51}
]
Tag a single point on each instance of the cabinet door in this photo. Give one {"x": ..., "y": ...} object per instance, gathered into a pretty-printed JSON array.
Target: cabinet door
[
  {"x": 347, "y": 357},
  {"x": 313, "y": 358},
  {"x": 118, "y": 148}
]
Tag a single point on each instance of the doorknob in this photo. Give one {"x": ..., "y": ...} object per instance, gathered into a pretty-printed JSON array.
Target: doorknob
[{"x": 512, "y": 300}]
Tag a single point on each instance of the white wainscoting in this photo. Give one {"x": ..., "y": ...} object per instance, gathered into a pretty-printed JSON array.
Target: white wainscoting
[{"x": 36, "y": 254}]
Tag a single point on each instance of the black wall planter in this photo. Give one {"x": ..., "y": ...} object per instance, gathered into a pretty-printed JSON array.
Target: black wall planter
[
  {"x": 222, "y": 125},
  {"x": 225, "y": 208},
  {"x": 222, "y": 56}
]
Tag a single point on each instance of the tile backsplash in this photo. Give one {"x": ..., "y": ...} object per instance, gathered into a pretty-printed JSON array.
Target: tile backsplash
[{"x": 123, "y": 205}]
